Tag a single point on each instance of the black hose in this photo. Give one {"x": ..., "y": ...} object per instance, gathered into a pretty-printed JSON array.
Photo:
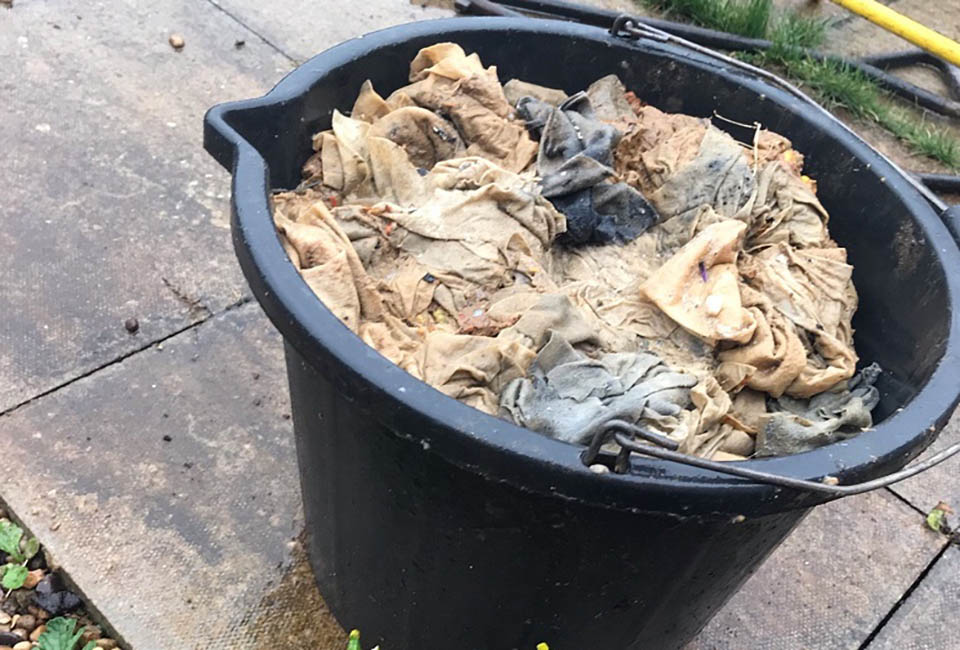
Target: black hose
[{"x": 946, "y": 183}]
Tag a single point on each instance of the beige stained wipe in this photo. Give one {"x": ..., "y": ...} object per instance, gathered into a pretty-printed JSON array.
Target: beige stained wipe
[{"x": 564, "y": 260}]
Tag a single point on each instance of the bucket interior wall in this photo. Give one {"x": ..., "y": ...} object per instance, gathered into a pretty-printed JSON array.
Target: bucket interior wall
[{"x": 900, "y": 323}]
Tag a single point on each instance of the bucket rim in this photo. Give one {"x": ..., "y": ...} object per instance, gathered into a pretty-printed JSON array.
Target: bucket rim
[{"x": 500, "y": 449}]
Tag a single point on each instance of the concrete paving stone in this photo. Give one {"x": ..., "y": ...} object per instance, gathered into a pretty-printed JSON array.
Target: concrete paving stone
[
  {"x": 303, "y": 28},
  {"x": 927, "y": 618},
  {"x": 111, "y": 209},
  {"x": 832, "y": 582},
  {"x": 942, "y": 483},
  {"x": 166, "y": 486}
]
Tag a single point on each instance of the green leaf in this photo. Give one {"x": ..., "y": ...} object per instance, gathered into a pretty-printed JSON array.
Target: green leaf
[
  {"x": 75, "y": 638},
  {"x": 30, "y": 548},
  {"x": 59, "y": 634},
  {"x": 14, "y": 576},
  {"x": 10, "y": 535},
  {"x": 935, "y": 519},
  {"x": 354, "y": 642}
]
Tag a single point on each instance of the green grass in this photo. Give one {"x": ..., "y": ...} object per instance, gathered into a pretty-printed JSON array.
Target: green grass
[
  {"x": 836, "y": 84},
  {"x": 839, "y": 85},
  {"x": 744, "y": 17},
  {"x": 923, "y": 138},
  {"x": 798, "y": 31}
]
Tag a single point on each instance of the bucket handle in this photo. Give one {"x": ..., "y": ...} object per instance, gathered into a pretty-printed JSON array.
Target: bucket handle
[{"x": 626, "y": 434}]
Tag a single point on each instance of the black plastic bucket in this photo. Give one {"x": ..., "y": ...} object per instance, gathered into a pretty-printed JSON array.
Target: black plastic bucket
[{"x": 433, "y": 525}]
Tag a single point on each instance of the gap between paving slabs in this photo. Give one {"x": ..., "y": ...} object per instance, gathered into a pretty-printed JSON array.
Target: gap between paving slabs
[
  {"x": 83, "y": 610},
  {"x": 103, "y": 207},
  {"x": 180, "y": 512},
  {"x": 46, "y": 594}
]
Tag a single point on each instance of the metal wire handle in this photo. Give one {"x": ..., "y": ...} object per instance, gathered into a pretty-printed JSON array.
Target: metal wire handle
[{"x": 626, "y": 434}]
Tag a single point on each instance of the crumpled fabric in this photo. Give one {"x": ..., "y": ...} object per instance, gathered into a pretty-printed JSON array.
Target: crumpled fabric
[
  {"x": 516, "y": 89},
  {"x": 449, "y": 82},
  {"x": 568, "y": 396},
  {"x": 608, "y": 97},
  {"x": 428, "y": 223},
  {"x": 698, "y": 286},
  {"x": 840, "y": 413},
  {"x": 574, "y": 163},
  {"x": 409, "y": 279}
]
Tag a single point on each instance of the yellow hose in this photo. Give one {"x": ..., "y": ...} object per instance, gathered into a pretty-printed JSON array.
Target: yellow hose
[{"x": 904, "y": 27}]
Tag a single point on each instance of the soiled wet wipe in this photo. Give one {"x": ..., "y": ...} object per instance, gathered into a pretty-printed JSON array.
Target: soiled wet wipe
[
  {"x": 566, "y": 394},
  {"x": 563, "y": 261},
  {"x": 840, "y": 413},
  {"x": 574, "y": 163}
]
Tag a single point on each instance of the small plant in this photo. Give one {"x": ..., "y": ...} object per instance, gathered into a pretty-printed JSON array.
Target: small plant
[
  {"x": 937, "y": 519},
  {"x": 353, "y": 643},
  {"x": 60, "y": 635},
  {"x": 14, "y": 572}
]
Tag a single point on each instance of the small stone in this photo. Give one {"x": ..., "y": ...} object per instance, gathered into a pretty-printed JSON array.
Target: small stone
[
  {"x": 37, "y": 632},
  {"x": 598, "y": 468},
  {"x": 239, "y": 44},
  {"x": 28, "y": 622},
  {"x": 90, "y": 633},
  {"x": 33, "y": 579},
  {"x": 21, "y": 633},
  {"x": 23, "y": 645},
  {"x": 39, "y": 612},
  {"x": 176, "y": 41},
  {"x": 53, "y": 597},
  {"x": 9, "y": 638},
  {"x": 107, "y": 644},
  {"x": 4, "y": 618},
  {"x": 132, "y": 325}
]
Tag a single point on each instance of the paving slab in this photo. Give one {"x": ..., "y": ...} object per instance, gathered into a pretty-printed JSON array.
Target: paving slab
[
  {"x": 942, "y": 483},
  {"x": 927, "y": 619},
  {"x": 302, "y": 28},
  {"x": 110, "y": 207},
  {"x": 166, "y": 486},
  {"x": 832, "y": 582}
]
